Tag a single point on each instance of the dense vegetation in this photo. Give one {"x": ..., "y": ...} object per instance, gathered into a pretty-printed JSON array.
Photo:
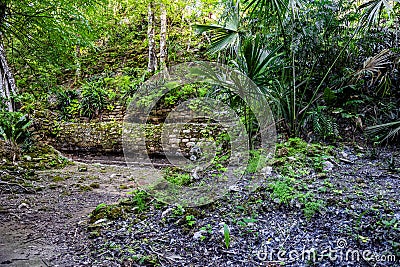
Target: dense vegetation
[
  {"x": 329, "y": 70},
  {"x": 322, "y": 64}
]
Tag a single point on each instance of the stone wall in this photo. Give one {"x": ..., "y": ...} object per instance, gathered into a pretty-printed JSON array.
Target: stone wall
[{"x": 106, "y": 136}]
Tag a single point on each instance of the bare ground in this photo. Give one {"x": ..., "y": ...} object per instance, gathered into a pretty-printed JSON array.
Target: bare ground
[{"x": 43, "y": 228}]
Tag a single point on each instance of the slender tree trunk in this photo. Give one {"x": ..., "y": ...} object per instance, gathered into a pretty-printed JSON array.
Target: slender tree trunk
[
  {"x": 7, "y": 82},
  {"x": 78, "y": 62},
  {"x": 163, "y": 36},
  {"x": 152, "y": 64}
]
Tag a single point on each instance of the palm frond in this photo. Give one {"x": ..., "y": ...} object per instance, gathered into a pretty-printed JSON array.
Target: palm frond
[
  {"x": 373, "y": 66},
  {"x": 255, "y": 59},
  {"x": 226, "y": 35},
  {"x": 374, "y": 8},
  {"x": 390, "y": 130}
]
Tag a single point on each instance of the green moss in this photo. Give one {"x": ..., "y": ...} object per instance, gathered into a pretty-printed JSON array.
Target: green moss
[
  {"x": 123, "y": 186},
  {"x": 104, "y": 211},
  {"x": 85, "y": 188},
  {"x": 296, "y": 157},
  {"x": 57, "y": 178},
  {"x": 94, "y": 185},
  {"x": 174, "y": 176}
]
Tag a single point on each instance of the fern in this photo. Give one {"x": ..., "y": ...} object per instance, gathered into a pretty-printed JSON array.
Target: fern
[{"x": 322, "y": 123}]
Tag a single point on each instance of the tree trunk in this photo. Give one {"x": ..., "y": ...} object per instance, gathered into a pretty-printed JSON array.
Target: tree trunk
[
  {"x": 7, "y": 82},
  {"x": 152, "y": 64},
  {"x": 163, "y": 37},
  {"x": 78, "y": 62}
]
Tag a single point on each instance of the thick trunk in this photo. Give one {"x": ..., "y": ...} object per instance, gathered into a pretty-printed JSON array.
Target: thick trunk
[
  {"x": 152, "y": 64},
  {"x": 163, "y": 36},
  {"x": 7, "y": 82}
]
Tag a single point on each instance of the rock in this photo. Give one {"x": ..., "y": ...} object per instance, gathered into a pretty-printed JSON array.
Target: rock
[
  {"x": 82, "y": 169},
  {"x": 195, "y": 176},
  {"x": 267, "y": 170},
  {"x": 328, "y": 166},
  {"x": 199, "y": 234},
  {"x": 234, "y": 188},
  {"x": 23, "y": 206},
  {"x": 166, "y": 212},
  {"x": 190, "y": 144}
]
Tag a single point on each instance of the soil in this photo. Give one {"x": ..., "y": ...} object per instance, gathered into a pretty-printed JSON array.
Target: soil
[
  {"x": 50, "y": 226},
  {"x": 46, "y": 228}
]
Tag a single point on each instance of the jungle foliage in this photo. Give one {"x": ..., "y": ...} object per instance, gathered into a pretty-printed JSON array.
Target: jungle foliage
[
  {"x": 318, "y": 62},
  {"x": 323, "y": 65}
]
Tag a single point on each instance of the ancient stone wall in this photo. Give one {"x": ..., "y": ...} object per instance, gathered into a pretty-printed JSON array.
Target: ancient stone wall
[{"x": 105, "y": 136}]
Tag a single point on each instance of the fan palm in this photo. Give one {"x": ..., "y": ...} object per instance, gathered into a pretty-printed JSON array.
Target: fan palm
[
  {"x": 373, "y": 66},
  {"x": 390, "y": 129},
  {"x": 255, "y": 61},
  {"x": 227, "y": 35},
  {"x": 374, "y": 8}
]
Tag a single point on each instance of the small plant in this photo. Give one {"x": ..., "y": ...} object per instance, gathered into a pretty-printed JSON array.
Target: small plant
[
  {"x": 182, "y": 93},
  {"x": 94, "y": 98},
  {"x": 67, "y": 103},
  {"x": 14, "y": 130},
  {"x": 246, "y": 221},
  {"x": 172, "y": 176},
  {"x": 312, "y": 207},
  {"x": 282, "y": 191},
  {"x": 322, "y": 123},
  {"x": 139, "y": 199},
  {"x": 256, "y": 162},
  {"x": 207, "y": 228},
  {"x": 384, "y": 132},
  {"x": 178, "y": 210},
  {"x": 190, "y": 220},
  {"x": 227, "y": 236}
]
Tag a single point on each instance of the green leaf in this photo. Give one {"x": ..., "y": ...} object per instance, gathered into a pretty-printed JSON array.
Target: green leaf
[{"x": 227, "y": 236}]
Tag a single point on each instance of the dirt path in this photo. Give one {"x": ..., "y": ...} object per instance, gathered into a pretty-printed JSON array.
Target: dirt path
[{"x": 42, "y": 229}]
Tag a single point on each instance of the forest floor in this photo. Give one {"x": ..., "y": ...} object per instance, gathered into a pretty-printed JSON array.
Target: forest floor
[
  {"x": 358, "y": 221},
  {"x": 39, "y": 227}
]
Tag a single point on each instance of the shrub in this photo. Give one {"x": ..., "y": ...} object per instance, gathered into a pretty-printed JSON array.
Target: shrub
[
  {"x": 14, "y": 129},
  {"x": 94, "y": 98}
]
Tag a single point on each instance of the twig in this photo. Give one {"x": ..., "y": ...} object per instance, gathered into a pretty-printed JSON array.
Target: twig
[
  {"x": 32, "y": 239},
  {"x": 45, "y": 263},
  {"x": 163, "y": 255},
  {"x": 10, "y": 184},
  {"x": 346, "y": 160}
]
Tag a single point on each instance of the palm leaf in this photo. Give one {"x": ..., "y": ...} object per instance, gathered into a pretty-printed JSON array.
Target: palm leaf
[
  {"x": 256, "y": 59},
  {"x": 375, "y": 65},
  {"x": 390, "y": 129},
  {"x": 374, "y": 8},
  {"x": 225, "y": 36}
]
